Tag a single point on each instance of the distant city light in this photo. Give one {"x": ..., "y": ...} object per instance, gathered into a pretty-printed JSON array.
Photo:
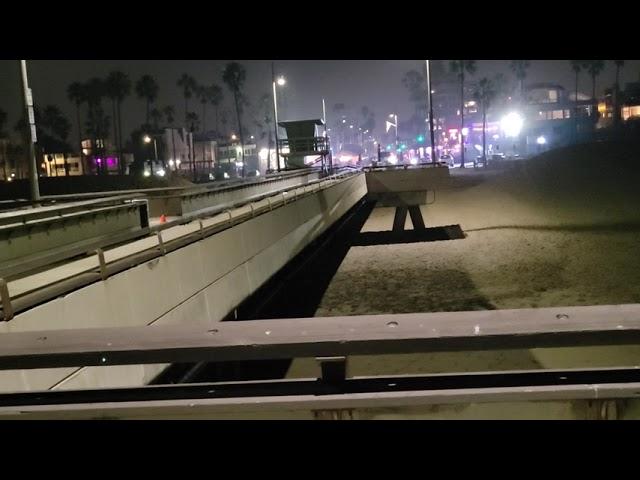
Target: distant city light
[
  {"x": 147, "y": 173},
  {"x": 465, "y": 131},
  {"x": 161, "y": 172},
  {"x": 233, "y": 136},
  {"x": 393, "y": 159},
  {"x": 496, "y": 136},
  {"x": 281, "y": 81},
  {"x": 147, "y": 139},
  {"x": 541, "y": 140},
  {"x": 413, "y": 161},
  {"x": 263, "y": 153},
  {"x": 512, "y": 124}
]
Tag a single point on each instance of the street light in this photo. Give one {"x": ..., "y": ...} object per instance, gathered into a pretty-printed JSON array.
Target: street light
[
  {"x": 281, "y": 82},
  {"x": 233, "y": 136},
  {"x": 395, "y": 117},
  {"x": 147, "y": 139}
]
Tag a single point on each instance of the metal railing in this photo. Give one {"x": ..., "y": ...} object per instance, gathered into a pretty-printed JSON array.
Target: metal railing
[
  {"x": 101, "y": 271},
  {"x": 303, "y": 145}
]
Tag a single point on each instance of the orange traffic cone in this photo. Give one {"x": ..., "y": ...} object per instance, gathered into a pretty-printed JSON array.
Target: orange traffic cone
[{"x": 163, "y": 218}]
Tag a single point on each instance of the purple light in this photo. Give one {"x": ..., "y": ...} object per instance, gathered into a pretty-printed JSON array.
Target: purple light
[
  {"x": 112, "y": 161},
  {"x": 98, "y": 160}
]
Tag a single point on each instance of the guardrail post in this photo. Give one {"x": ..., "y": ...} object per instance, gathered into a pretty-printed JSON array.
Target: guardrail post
[
  {"x": 161, "y": 243},
  {"x": 5, "y": 300},
  {"x": 103, "y": 264},
  {"x": 201, "y": 229}
]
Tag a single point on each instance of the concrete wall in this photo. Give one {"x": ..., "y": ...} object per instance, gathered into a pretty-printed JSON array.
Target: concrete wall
[{"x": 198, "y": 284}]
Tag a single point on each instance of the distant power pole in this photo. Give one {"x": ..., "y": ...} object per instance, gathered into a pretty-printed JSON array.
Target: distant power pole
[{"x": 32, "y": 139}]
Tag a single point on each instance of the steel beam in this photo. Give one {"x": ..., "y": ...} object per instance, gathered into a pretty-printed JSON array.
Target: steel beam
[{"x": 324, "y": 337}]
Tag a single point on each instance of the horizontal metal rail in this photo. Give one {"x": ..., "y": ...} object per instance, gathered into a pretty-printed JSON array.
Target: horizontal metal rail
[
  {"x": 316, "y": 394},
  {"x": 215, "y": 210},
  {"x": 52, "y": 212},
  {"x": 36, "y": 297},
  {"x": 356, "y": 385},
  {"x": 324, "y": 337}
]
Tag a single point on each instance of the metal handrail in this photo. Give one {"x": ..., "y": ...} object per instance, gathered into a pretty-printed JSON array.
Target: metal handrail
[
  {"x": 304, "y": 144},
  {"x": 32, "y": 298}
]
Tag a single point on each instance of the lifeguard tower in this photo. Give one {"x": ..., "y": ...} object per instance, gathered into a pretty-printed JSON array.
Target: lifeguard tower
[{"x": 303, "y": 140}]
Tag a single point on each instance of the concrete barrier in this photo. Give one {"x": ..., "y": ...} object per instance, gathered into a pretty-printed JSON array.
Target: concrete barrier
[{"x": 200, "y": 283}]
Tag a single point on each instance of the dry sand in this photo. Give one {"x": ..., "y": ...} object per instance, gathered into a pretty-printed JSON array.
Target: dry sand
[{"x": 561, "y": 230}]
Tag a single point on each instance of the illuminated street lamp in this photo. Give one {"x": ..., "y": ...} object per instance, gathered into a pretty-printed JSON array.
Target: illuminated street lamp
[
  {"x": 147, "y": 139},
  {"x": 280, "y": 82},
  {"x": 512, "y": 124},
  {"x": 233, "y": 136}
]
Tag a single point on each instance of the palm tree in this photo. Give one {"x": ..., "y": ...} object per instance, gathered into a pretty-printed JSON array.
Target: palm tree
[
  {"x": 215, "y": 98},
  {"x": 460, "y": 67},
  {"x": 156, "y": 117},
  {"x": 147, "y": 89},
  {"x": 202, "y": 92},
  {"x": 594, "y": 68},
  {"x": 57, "y": 129},
  {"x": 519, "y": 69},
  {"x": 484, "y": 93},
  {"x": 188, "y": 85},
  {"x": 576, "y": 66},
  {"x": 77, "y": 93},
  {"x": 98, "y": 121},
  {"x": 193, "y": 121},
  {"x": 169, "y": 112},
  {"x": 118, "y": 87},
  {"x": 616, "y": 99},
  {"x": 234, "y": 76}
]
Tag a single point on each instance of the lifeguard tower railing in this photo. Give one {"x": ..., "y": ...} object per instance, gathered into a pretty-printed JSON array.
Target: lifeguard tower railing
[{"x": 304, "y": 146}]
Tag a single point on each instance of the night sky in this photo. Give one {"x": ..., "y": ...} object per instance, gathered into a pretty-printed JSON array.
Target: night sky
[{"x": 375, "y": 83}]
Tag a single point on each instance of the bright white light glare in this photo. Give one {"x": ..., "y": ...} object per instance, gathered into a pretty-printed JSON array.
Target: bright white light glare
[
  {"x": 344, "y": 121},
  {"x": 226, "y": 175},
  {"x": 13, "y": 175},
  {"x": 414, "y": 161},
  {"x": 512, "y": 124},
  {"x": 171, "y": 162},
  {"x": 178, "y": 162},
  {"x": 263, "y": 153},
  {"x": 233, "y": 137},
  {"x": 478, "y": 147},
  {"x": 257, "y": 173},
  {"x": 541, "y": 140},
  {"x": 161, "y": 172},
  {"x": 281, "y": 81},
  {"x": 393, "y": 159},
  {"x": 212, "y": 176},
  {"x": 239, "y": 164},
  {"x": 345, "y": 158},
  {"x": 147, "y": 173},
  {"x": 147, "y": 139},
  {"x": 496, "y": 136},
  {"x": 465, "y": 131}
]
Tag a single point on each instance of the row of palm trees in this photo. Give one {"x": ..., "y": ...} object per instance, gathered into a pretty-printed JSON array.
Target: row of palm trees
[
  {"x": 486, "y": 89},
  {"x": 117, "y": 87}
]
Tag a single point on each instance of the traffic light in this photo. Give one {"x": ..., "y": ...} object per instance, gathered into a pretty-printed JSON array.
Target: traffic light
[{"x": 420, "y": 138}]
